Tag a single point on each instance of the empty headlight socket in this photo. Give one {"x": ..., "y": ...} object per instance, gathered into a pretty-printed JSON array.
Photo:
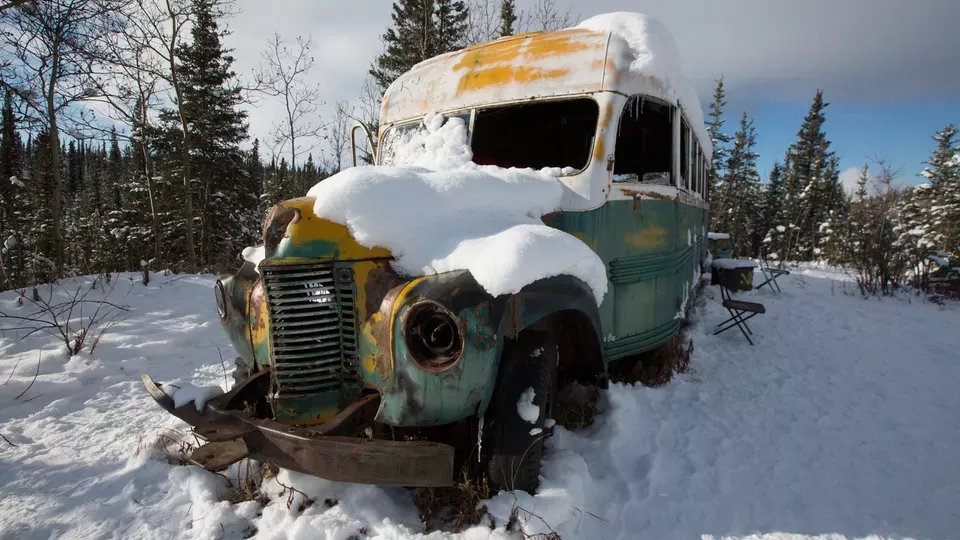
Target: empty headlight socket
[{"x": 433, "y": 336}]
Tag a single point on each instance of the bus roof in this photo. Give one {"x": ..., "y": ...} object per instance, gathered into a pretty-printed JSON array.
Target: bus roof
[{"x": 627, "y": 53}]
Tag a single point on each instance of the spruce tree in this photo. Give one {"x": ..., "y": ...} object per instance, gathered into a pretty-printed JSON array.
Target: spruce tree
[
  {"x": 943, "y": 168},
  {"x": 943, "y": 172},
  {"x": 811, "y": 185},
  {"x": 408, "y": 41},
  {"x": 915, "y": 231},
  {"x": 211, "y": 98},
  {"x": 508, "y": 17},
  {"x": 771, "y": 208},
  {"x": 421, "y": 29},
  {"x": 740, "y": 195},
  {"x": 11, "y": 198},
  {"x": 717, "y": 137},
  {"x": 450, "y": 25}
]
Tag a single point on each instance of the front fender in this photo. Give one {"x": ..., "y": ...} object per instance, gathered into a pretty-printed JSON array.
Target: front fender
[
  {"x": 245, "y": 320},
  {"x": 416, "y": 397}
]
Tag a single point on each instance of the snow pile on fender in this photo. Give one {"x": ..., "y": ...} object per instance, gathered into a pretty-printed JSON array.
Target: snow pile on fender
[
  {"x": 444, "y": 213},
  {"x": 642, "y": 46}
]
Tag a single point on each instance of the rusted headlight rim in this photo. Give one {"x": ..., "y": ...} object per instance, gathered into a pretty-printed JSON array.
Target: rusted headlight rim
[
  {"x": 220, "y": 295},
  {"x": 427, "y": 316}
]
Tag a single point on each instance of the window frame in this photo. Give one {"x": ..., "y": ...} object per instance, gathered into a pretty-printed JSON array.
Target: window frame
[
  {"x": 671, "y": 115},
  {"x": 684, "y": 149}
]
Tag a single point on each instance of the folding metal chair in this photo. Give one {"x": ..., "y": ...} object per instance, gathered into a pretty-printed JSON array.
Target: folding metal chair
[
  {"x": 736, "y": 308},
  {"x": 771, "y": 274}
]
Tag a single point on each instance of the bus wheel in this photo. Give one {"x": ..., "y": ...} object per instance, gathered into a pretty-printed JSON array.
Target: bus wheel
[{"x": 521, "y": 404}]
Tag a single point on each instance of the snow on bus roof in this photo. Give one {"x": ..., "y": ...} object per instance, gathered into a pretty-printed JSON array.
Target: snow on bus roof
[
  {"x": 622, "y": 52},
  {"x": 646, "y": 60}
]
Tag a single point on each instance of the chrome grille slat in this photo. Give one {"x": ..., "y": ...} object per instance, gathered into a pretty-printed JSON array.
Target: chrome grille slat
[
  {"x": 302, "y": 336},
  {"x": 310, "y": 362},
  {"x": 304, "y": 291},
  {"x": 313, "y": 328},
  {"x": 285, "y": 316},
  {"x": 275, "y": 274},
  {"x": 286, "y": 320},
  {"x": 301, "y": 356},
  {"x": 297, "y": 348},
  {"x": 286, "y": 310},
  {"x": 283, "y": 284},
  {"x": 321, "y": 335},
  {"x": 330, "y": 298}
]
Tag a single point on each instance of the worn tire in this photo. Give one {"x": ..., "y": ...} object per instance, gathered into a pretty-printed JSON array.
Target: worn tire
[{"x": 511, "y": 454}]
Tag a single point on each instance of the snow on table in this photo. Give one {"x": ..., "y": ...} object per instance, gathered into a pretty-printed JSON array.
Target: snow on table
[
  {"x": 718, "y": 236},
  {"x": 732, "y": 264}
]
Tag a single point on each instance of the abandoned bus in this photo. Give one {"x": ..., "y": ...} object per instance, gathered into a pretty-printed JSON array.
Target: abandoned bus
[{"x": 395, "y": 379}]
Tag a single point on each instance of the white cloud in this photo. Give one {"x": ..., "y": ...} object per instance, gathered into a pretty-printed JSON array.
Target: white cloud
[
  {"x": 849, "y": 179},
  {"x": 767, "y": 50}
]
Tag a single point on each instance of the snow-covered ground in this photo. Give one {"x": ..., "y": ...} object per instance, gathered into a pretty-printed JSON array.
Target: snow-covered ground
[{"x": 843, "y": 421}]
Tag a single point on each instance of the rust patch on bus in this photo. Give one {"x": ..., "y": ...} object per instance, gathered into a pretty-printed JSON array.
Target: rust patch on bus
[
  {"x": 513, "y": 61},
  {"x": 506, "y": 74},
  {"x": 652, "y": 237},
  {"x": 636, "y": 194}
]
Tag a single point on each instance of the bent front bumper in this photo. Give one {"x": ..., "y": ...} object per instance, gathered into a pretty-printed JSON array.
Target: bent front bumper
[{"x": 332, "y": 450}]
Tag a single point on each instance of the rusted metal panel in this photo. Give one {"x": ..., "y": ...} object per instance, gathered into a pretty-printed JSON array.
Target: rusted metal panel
[
  {"x": 292, "y": 232},
  {"x": 516, "y": 68},
  {"x": 337, "y": 458},
  {"x": 653, "y": 252},
  {"x": 422, "y": 397}
]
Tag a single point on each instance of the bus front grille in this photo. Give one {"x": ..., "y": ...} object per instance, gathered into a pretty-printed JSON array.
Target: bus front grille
[{"x": 313, "y": 327}]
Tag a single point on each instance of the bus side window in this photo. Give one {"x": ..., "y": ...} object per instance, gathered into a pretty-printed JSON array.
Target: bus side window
[
  {"x": 696, "y": 167},
  {"x": 703, "y": 177},
  {"x": 684, "y": 153},
  {"x": 644, "y": 142}
]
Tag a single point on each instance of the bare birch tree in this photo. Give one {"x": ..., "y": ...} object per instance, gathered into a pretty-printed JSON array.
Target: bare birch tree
[
  {"x": 130, "y": 92},
  {"x": 337, "y": 138},
  {"x": 162, "y": 26},
  {"x": 283, "y": 75},
  {"x": 545, "y": 16}
]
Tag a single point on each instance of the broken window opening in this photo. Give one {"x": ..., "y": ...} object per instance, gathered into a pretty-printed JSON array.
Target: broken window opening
[
  {"x": 398, "y": 135},
  {"x": 644, "y": 149},
  {"x": 685, "y": 152},
  {"x": 536, "y": 135}
]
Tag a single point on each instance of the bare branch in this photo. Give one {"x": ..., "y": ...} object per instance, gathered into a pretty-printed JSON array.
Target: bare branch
[
  {"x": 35, "y": 375},
  {"x": 12, "y": 4},
  {"x": 281, "y": 75}
]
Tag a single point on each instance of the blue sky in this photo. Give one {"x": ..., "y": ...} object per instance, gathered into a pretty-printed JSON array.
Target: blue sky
[{"x": 899, "y": 130}]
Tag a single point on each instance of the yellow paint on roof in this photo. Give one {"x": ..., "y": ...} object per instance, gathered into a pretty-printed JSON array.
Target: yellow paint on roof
[{"x": 570, "y": 61}]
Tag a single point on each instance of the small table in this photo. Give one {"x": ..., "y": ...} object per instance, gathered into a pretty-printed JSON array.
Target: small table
[{"x": 739, "y": 273}]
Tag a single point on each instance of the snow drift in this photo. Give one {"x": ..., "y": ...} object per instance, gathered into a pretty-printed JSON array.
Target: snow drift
[{"x": 440, "y": 212}]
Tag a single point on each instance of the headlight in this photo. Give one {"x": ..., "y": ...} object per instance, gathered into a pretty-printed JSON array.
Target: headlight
[
  {"x": 220, "y": 294},
  {"x": 433, "y": 336}
]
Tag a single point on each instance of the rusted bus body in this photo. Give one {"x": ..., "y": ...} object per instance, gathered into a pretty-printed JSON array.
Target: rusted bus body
[
  {"x": 651, "y": 236},
  {"x": 324, "y": 324}
]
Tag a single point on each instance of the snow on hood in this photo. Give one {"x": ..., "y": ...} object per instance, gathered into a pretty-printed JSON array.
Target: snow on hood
[
  {"x": 442, "y": 213},
  {"x": 643, "y": 46}
]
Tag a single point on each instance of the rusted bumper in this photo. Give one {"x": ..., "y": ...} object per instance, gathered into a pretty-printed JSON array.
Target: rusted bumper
[{"x": 331, "y": 450}]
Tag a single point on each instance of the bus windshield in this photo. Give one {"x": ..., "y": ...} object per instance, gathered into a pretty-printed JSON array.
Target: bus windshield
[{"x": 537, "y": 134}]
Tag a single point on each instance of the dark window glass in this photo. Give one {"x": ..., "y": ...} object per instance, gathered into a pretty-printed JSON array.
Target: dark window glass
[
  {"x": 685, "y": 152},
  {"x": 644, "y": 142},
  {"x": 536, "y": 135}
]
